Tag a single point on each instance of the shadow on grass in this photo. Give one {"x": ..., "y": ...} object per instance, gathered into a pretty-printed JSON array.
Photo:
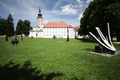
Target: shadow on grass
[
  {"x": 12, "y": 71},
  {"x": 75, "y": 78},
  {"x": 88, "y": 49},
  {"x": 85, "y": 40}
]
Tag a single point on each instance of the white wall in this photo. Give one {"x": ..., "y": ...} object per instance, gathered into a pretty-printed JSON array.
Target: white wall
[
  {"x": 58, "y": 32},
  {"x": 32, "y": 34},
  {"x": 50, "y": 32}
]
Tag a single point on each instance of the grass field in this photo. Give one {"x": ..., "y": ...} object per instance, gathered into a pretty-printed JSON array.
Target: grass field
[{"x": 57, "y": 59}]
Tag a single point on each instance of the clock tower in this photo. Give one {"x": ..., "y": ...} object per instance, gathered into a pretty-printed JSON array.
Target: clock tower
[{"x": 39, "y": 20}]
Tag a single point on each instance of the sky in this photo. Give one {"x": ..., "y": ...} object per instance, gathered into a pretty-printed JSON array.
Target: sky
[{"x": 68, "y": 11}]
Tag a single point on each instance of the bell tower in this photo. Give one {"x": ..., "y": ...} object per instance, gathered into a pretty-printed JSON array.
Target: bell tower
[{"x": 39, "y": 19}]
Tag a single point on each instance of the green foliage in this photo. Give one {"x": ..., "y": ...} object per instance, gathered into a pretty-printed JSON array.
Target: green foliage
[
  {"x": 23, "y": 27},
  {"x": 7, "y": 26},
  {"x": 19, "y": 27},
  {"x": 3, "y": 25},
  {"x": 10, "y": 18},
  {"x": 31, "y": 28},
  {"x": 49, "y": 55},
  {"x": 10, "y": 25},
  {"x": 26, "y": 27},
  {"x": 98, "y": 13}
]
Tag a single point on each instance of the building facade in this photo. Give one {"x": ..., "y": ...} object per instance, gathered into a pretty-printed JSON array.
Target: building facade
[{"x": 51, "y": 29}]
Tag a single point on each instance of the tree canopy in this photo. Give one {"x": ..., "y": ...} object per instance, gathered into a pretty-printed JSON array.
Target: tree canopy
[
  {"x": 10, "y": 25},
  {"x": 3, "y": 25},
  {"x": 98, "y": 13},
  {"x": 7, "y": 26},
  {"x": 23, "y": 27}
]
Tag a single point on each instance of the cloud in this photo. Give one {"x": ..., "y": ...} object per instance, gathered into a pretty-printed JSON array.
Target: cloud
[
  {"x": 57, "y": 4},
  {"x": 53, "y": 12},
  {"x": 88, "y": 1},
  {"x": 80, "y": 16},
  {"x": 51, "y": 18},
  {"x": 73, "y": 7},
  {"x": 80, "y": 1},
  {"x": 24, "y": 9},
  {"x": 12, "y": 11},
  {"x": 67, "y": 9}
]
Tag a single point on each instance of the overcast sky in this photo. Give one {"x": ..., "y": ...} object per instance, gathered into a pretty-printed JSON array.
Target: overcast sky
[{"x": 69, "y": 11}]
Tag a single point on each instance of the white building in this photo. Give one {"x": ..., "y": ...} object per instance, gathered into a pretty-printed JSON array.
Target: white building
[{"x": 51, "y": 29}]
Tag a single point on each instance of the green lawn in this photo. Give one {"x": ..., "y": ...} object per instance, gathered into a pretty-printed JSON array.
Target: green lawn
[{"x": 57, "y": 59}]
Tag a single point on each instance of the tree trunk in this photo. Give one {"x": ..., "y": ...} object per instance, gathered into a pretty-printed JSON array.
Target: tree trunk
[
  {"x": 6, "y": 38},
  {"x": 21, "y": 37},
  {"x": 118, "y": 37},
  {"x": 67, "y": 35},
  {"x": 67, "y": 39}
]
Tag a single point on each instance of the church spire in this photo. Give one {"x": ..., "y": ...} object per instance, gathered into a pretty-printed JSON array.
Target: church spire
[
  {"x": 39, "y": 10},
  {"x": 39, "y": 14}
]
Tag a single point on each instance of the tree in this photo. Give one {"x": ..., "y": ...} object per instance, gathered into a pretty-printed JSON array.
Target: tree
[
  {"x": 114, "y": 12},
  {"x": 6, "y": 27},
  {"x": 10, "y": 25},
  {"x": 23, "y": 27},
  {"x": 98, "y": 13},
  {"x": 2, "y": 26},
  {"x": 26, "y": 27},
  {"x": 19, "y": 28},
  {"x": 31, "y": 28},
  {"x": 67, "y": 35}
]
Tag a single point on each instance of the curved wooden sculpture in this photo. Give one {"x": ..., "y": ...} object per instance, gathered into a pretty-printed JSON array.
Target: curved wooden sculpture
[{"x": 107, "y": 43}]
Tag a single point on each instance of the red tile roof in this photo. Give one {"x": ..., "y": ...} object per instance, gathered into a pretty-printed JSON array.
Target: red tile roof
[
  {"x": 76, "y": 28},
  {"x": 57, "y": 25}
]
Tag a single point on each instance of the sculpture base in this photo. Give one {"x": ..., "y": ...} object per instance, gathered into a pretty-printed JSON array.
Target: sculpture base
[
  {"x": 101, "y": 49},
  {"x": 117, "y": 52}
]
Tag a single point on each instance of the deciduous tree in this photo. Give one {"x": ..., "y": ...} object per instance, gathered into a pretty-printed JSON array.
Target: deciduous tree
[{"x": 98, "y": 13}]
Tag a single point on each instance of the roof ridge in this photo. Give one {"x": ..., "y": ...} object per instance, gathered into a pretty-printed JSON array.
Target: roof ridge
[{"x": 57, "y": 24}]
